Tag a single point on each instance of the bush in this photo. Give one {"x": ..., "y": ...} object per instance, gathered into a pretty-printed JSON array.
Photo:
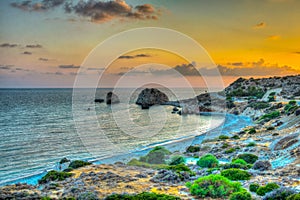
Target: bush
[
  {"x": 208, "y": 161},
  {"x": 236, "y": 137},
  {"x": 156, "y": 155},
  {"x": 88, "y": 196},
  {"x": 78, "y": 163},
  {"x": 259, "y": 105},
  {"x": 180, "y": 168},
  {"x": 251, "y": 144},
  {"x": 270, "y": 128},
  {"x": 270, "y": 116},
  {"x": 279, "y": 194},
  {"x": 236, "y": 174},
  {"x": 254, "y": 187},
  {"x": 64, "y": 160},
  {"x": 175, "y": 160},
  {"x": 249, "y": 158},
  {"x": 223, "y": 137},
  {"x": 144, "y": 195},
  {"x": 294, "y": 197},
  {"x": 231, "y": 150},
  {"x": 244, "y": 195},
  {"x": 225, "y": 145},
  {"x": 261, "y": 191},
  {"x": 193, "y": 149},
  {"x": 135, "y": 162},
  {"x": 292, "y": 102},
  {"x": 240, "y": 161},
  {"x": 215, "y": 186},
  {"x": 54, "y": 176},
  {"x": 235, "y": 166},
  {"x": 251, "y": 131}
]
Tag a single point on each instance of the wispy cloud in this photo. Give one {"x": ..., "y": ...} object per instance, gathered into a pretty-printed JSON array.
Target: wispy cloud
[
  {"x": 27, "y": 53},
  {"x": 134, "y": 56},
  {"x": 8, "y": 45},
  {"x": 260, "y": 25},
  {"x": 43, "y": 5},
  {"x": 34, "y": 46},
  {"x": 274, "y": 37},
  {"x": 44, "y": 59},
  {"x": 68, "y": 66}
]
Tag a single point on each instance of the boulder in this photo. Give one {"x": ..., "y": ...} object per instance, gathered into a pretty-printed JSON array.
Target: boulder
[
  {"x": 297, "y": 112},
  {"x": 262, "y": 165},
  {"x": 151, "y": 96},
  {"x": 112, "y": 98},
  {"x": 99, "y": 100}
]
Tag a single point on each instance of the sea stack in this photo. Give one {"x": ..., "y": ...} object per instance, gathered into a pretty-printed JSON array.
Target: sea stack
[
  {"x": 151, "y": 96},
  {"x": 112, "y": 98}
]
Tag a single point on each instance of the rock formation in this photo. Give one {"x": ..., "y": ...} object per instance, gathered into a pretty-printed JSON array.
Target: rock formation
[
  {"x": 112, "y": 98},
  {"x": 149, "y": 97}
]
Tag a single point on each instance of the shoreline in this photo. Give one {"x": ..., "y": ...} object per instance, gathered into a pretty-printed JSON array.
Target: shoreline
[{"x": 177, "y": 144}]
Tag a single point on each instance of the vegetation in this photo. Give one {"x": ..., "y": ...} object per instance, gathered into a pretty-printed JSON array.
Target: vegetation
[
  {"x": 156, "y": 156},
  {"x": 135, "y": 162},
  {"x": 244, "y": 195},
  {"x": 64, "y": 160},
  {"x": 236, "y": 137},
  {"x": 54, "y": 176},
  {"x": 175, "y": 160},
  {"x": 270, "y": 116},
  {"x": 259, "y": 105},
  {"x": 294, "y": 197},
  {"x": 225, "y": 145},
  {"x": 144, "y": 195},
  {"x": 223, "y": 137},
  {"x": 261, "y": 191},
  {"x": 279, "y": 194},
  {"x": 215, "y": 186},
  {"x": 208, "y": 161},
  {"x": 249, "y": 158},
  {"x": 231, "y": 150},
  {"x": 251, "y": 91},
  {"x": 236, "y": 174},
  {"x": 254, "y": 187},
  {"x": 180, "y": 168},
  {"x": 193, "y": 149},
  {"x": 252, "y": 130},
  {"x": 290, "y": 107},
  {"x": 78, "y": 163},
  {"x": 240, "y": 161},
  {"x": 251, "y": 144},
  {"x": 236, "y": 166},
  {"x": 270, "y": 128}
]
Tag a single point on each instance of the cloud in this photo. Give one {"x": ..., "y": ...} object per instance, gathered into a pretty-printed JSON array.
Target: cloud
[
  {"x": 43, "y": 5},
  {"x": 68, "y": 67},
  {"x": 44, "y": 59},
  {"x": 236, "y": 63},
  {"x": 27, "y": 53},
  {"x": 8, "y": 45},
  {"x": 5, "y": 67},
  {"x": 260, "y": 25},
  {"x": 297, "y": 52},
  {"x": 33, "y": 46},
  {"x": 273, "y": 37},
  {"x": 134, "y": 56},
  {"x": 103, "y": 11}
]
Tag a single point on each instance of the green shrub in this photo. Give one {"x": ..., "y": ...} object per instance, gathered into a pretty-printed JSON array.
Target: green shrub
[
  {"x": 193, "y": 149},
  {"x": 294, "y": 197},
  {"x": 261, "y": 191},
  {"x": 251, "y": 144},
  {"x": 235, "y": 166},
  {"x": 251, "y": 131},
  {"x": 64, "y": 160},
  {"x": 223, "y": 137},
  {"x": 215, "y": 186},
  {"x": 78, "y": 163},
  {"x": 236, "y": 174},
  {"x": 180, "y": 168},
  {"x": 279, "y": 194},
  {"x": 208, "y": 161},
  {"x": 244, "y": 195},
  {"x": 54, "y": 176},
  {"x": 270, "y": 116},
  {"x": 156, "y": 155},
  {"x": 253, "y": 187},
  {"x": 236, "y": 137},
  {"x": 270, "y": 128},
  {"x": 231, "y": 150},
  {"x": 240, "y": 161},
  {"x": 259, "y": 105},
  {"x": 249, "y": 158},
  {"x": 144, "y": 195},
  {"x": 292, "y": 102},
  {"x": 135, "y": 162},
  {"x": 175, "y": 160},
  {"x": 225, "y": 145}
]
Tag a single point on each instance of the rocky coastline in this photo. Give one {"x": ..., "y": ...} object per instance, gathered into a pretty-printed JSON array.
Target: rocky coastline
[{"x": 258, "y": 162}]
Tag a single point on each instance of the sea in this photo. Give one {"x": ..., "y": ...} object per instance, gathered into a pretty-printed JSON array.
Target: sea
[{"x": 39, "y": 127}]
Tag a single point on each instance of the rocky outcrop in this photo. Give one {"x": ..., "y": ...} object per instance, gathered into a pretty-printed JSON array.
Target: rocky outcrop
[
  {"x": 112, "y": 98},
  {"x": 262, "y": 165},
  {"x": 151, "y": 96}
]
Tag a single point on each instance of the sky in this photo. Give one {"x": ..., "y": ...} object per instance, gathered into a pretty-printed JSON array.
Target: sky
[{"x": 48, "y": 43}]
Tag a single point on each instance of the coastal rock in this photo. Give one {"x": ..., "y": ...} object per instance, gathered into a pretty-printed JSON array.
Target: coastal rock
[
  {"x": 112, "y": 98},
  {"x": 151, "y": 96},
  {"x": 297, "y": 112},
  {"x": 262, "y": 165},
  {"x": 166, "y": 176}
]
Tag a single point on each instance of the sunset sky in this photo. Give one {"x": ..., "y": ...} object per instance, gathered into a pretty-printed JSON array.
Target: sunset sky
[{"x": 43, "y": 43}]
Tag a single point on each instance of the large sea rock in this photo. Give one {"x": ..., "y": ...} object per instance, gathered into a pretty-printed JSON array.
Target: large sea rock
[
  {"x": 151, "y": 96},
  {"x": 112, "y": 98}
]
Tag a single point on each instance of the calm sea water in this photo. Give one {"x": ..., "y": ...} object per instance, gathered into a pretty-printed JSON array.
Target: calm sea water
[{"x": 37, "y": 128}]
